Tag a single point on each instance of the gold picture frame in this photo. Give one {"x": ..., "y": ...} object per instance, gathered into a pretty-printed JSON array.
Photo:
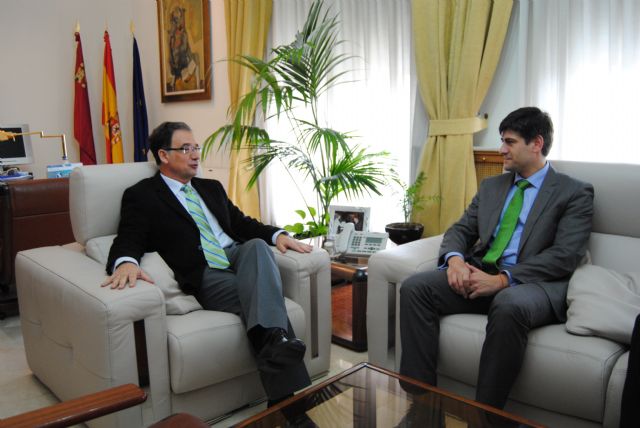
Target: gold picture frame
[{"x": 184, "y": 30}]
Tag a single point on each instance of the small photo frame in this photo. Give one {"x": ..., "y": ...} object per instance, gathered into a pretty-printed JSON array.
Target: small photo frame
[{"x": 339, "y": 215}]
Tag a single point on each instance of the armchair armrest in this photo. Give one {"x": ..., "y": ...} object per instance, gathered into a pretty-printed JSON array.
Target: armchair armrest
[
  {"x": 387, "y": 270},
  {"x": 75, "y": 329},
  {"x": 306, "y": 279},
  {"x": 79, "y": 409}
]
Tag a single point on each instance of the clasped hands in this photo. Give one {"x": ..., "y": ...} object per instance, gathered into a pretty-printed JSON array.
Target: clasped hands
[{"x": 470, "y": 282}]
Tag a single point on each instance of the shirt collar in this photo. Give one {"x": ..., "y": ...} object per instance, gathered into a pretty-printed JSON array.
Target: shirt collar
[
  {"x": 537, "y": 178},
  {"x": 174, "y": 185}
]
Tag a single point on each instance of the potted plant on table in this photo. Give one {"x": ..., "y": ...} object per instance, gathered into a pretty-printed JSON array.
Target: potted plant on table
[
  {"x": 411, "y": 202},
  {"x": 289, "y": 86}
]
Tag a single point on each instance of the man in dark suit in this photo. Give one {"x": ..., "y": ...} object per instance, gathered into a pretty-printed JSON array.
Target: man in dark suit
[
  {"x": 218, "y": 254},
  {"x": 519, "y": 276}
]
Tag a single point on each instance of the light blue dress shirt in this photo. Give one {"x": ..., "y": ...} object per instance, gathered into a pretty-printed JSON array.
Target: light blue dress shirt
[{"x": 175, "y": 186}]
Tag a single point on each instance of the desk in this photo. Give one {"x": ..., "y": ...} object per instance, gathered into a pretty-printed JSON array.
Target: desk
[
  {"x": 33, "y": 213},
  {"x": 351, "y": 331}
]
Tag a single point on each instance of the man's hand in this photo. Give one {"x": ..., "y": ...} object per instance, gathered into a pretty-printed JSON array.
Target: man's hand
[
  {"x": 484, "y": 284},
  {"x": 126, "y": 273},
  {"x": 458, "y": 274},
  {"x": 284, "y": 241}
]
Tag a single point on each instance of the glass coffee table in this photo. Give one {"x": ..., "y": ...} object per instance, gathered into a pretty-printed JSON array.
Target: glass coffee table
[{"x": 369, "y": 396}]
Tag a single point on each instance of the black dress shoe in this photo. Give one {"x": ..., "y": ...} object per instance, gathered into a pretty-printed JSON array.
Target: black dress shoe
[{"x": 279, "y": 351}]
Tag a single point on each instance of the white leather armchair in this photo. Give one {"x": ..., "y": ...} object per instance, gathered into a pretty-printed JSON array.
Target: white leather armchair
[
  {"x": 80, "y": 338},
  {"x": 566, "y": 380}
]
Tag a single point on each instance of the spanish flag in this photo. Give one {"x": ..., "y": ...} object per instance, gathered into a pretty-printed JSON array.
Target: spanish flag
[{"x": 110, "y": 120}]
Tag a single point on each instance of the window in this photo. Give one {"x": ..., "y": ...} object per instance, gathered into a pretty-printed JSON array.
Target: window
[
  {"x": 583, "y": 67},
  {"x": 375, "y": 106}
]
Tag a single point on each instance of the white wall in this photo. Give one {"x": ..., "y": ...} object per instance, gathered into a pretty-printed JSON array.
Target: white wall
[{"x": 37, "y": 60}]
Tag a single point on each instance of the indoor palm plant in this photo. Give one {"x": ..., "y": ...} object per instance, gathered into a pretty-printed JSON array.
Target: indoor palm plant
[{"x": 288, "y": 87}]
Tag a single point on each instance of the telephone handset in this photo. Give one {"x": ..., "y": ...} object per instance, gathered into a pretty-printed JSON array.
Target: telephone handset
[{"x": 352, "y": 242}]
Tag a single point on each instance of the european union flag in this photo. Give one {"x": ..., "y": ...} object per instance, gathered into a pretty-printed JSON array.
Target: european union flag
[{"x": 140, "y": 123}]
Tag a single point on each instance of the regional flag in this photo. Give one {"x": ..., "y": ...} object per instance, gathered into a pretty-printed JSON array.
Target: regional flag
[
  {"x": 82, "y": 129},
  {"x": 110, "y": 120},
  {"x": 140, "y": 123}
]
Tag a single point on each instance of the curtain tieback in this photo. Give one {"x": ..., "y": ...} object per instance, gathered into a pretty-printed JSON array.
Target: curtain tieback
[{"x": 467, "y": 125}]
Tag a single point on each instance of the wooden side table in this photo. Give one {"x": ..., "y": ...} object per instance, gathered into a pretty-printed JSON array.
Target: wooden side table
[
  {"x": 353, "y": 270},
  {"x": 488, "y": 163}
]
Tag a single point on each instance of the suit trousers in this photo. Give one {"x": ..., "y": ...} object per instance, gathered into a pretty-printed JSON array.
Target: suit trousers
[
  {"x": 511, "y": 313},
  {"x": 252, "y": 289}
]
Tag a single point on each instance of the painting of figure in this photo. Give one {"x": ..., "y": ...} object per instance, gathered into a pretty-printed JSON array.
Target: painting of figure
[{"x": 184, "y": 27}]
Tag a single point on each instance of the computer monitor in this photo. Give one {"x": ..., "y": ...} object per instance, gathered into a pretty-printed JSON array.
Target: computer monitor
[{"x": 16, "y": 151}]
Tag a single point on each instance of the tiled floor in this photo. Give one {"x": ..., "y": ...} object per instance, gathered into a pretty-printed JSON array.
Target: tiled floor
[{"x": 20, "y": 391}]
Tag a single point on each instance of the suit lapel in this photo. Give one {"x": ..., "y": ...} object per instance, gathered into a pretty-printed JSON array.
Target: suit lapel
[
  {"x": 165, "y": 194},
  {"x": 496, "y": 205},
  {"x": 544, "y": 196}
]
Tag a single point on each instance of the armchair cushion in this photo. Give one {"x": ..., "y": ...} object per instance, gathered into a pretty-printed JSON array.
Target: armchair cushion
[
  {"x": 210, "y": 347},
  {"x": 603, "y": 303},
  {"x": 177, "y": 302}
]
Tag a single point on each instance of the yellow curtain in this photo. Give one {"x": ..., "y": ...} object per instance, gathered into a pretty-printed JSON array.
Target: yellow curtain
[
  {"x": 247, "y": 29},
  {"x": 457, "y": 45}
]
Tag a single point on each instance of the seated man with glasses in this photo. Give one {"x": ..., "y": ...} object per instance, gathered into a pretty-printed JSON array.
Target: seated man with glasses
[{"x": 217, "y": 254}]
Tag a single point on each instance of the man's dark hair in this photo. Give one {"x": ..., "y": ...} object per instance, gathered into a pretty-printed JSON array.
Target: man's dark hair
[
  {"x": 160, "y": 138},
  {"x": 530, "y": 122}
]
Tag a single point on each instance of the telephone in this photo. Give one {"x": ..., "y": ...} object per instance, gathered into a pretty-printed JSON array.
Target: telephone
[{"x": 352, "y": 242}]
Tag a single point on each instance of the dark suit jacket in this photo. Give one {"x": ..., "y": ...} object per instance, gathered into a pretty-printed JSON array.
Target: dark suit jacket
[
  {"x": 554, "y": 237},
  {"x": 152, "y": 219}
]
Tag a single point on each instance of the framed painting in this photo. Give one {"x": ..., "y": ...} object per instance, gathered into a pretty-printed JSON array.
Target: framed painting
[{"x": 184, "y": 29}]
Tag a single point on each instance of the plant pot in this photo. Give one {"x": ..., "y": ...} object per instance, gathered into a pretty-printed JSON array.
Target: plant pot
[{"x": 401, "y": 233}]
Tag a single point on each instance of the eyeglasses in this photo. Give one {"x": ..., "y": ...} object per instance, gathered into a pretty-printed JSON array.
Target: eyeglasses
[{"x": 186, "y": 149}]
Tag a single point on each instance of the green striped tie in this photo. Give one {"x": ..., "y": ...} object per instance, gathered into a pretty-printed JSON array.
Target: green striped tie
[
  {"x": 507, "y": 225},
  {"x": 213, "y": 252}
]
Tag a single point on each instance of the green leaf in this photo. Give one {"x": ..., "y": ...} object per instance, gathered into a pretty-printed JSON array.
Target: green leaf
[{"x": 294, "y": 228}]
